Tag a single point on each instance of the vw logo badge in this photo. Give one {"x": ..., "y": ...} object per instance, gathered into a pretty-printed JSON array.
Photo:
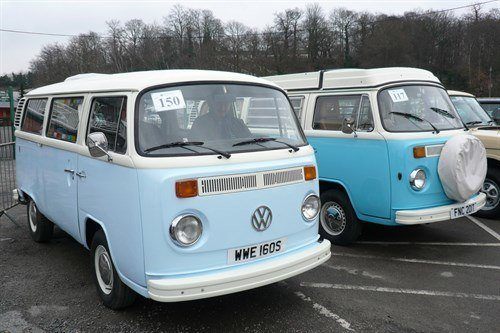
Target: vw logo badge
[{"x": 262, "y": 218}]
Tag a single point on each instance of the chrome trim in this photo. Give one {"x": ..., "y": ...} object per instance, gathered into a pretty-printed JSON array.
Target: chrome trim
[
  {"x": 173, "y": 225},
  {"x": 319, "y": 207},
  {"x": 413, "y": 175}
]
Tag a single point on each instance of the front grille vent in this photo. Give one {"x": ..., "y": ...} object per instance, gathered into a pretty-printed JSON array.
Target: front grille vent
[{"x": 249, "y": 181}]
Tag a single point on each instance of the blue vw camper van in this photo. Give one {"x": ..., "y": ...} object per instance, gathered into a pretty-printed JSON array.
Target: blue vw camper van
[
  {"x": 176, "y": 196},
  {"x": 378, "y": 136}
]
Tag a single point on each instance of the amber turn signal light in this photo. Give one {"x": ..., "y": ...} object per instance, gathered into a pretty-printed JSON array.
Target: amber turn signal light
[
  {"x": 419, "y": 152},
  {"x": 186, "y": 188},
  {"x": 309, "y": 172}
]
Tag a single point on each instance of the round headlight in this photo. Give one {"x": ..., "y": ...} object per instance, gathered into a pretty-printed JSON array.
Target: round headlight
[
  {"x": 310, "y": 207},
  {"x": 417, "y": 179},
  {"x": 186, "y": 230}
]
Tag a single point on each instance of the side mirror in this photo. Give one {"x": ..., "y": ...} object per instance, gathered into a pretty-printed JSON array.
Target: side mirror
[
  {"x": 98, "y": 145},
  {"x": 348, "y": 126}
]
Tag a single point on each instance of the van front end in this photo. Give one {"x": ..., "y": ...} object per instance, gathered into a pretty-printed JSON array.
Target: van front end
[
  {"x": 417, "y": 193},
  {"x": 252, "y": 232}
]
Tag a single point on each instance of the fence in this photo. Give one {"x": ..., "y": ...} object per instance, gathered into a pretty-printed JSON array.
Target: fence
[{"x": 7, "y": 168}]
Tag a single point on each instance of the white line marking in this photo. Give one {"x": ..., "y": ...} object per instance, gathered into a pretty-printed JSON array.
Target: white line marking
[
  {"x": 400, "y": 291},
  {"x": 417, "y": 261},
  {"x": 354, "y": 271},
  {"x": 429, "y": 243},
  {"x": 485, "y": 227},
  {"x": 325, "y": 312}
]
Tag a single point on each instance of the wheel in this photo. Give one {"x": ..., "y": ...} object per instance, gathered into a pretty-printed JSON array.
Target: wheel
[
  {"x": 491, "y": 187},
  {"x": 112, "y": 291},
  {"x": 338, "y": 221},
  {"x": 39, "y": 226}
]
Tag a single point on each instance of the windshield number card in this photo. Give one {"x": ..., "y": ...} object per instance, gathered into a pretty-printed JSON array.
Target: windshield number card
[
  {"x": 168, "y": 100},
  {"x": 398, "y": 95}
]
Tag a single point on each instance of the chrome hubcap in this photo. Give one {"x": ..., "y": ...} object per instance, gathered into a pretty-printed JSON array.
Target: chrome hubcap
[
  {"x": 32, "y": 216},
  {"x": 103, "y": 269},
  {"x": 492, "y": 191},
  {"x": 333, "y": 218}
]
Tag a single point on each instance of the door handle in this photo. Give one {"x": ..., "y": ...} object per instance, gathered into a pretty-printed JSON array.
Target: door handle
[
  {"x": 69, "y": 171},
  {"x": 81, "y": 174}
]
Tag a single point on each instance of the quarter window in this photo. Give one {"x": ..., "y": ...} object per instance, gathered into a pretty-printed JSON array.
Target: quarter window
[
  {"x": 365, "y": 118},
  {"x": 64, "y": 118},
  {"x": 297, "y": 102},
  {"x": 34, "y": 114},
  {"x": 109, "y": 116}
]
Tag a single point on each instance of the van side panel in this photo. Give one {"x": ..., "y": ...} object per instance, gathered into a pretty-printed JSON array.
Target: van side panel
[
  {"x": 362, "y": 165},
  {"x": 109, "y": 195},
  {"x": 28, "y": 173}
]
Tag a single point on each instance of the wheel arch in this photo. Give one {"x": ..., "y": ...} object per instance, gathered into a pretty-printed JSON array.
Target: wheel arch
[{"x": 327, "y": 185}]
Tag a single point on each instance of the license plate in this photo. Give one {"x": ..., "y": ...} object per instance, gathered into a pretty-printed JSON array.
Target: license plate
[
  {"x": 253, "y": 252},
  {"x": 463, "y": 210}
]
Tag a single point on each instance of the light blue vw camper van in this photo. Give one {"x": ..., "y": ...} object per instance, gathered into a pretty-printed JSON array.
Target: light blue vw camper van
[
  {"x": 378, "y": 136},
  {"x": 176, "y": 196}
]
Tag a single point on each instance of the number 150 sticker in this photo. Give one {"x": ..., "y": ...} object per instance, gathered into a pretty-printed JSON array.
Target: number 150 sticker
[
  {"x": 168, "y": 100},
  {"x": 398, "y": 95}
]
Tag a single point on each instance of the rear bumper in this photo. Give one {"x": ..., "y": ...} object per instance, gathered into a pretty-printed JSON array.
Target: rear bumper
[
  {"x": 240, "y": 278},
  {"x": 436, "y": 214}
]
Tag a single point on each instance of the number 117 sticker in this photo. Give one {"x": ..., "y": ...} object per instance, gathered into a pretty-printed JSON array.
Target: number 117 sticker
[
  {"x": 398, "y": 95},
  {"x": 168, "y": 100}
]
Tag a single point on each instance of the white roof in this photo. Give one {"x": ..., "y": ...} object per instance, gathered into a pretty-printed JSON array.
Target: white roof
[
  {"x": 136, "y": 81},
  {"x": 459, "y": 93},
  {"x": 351, "y": 78}
]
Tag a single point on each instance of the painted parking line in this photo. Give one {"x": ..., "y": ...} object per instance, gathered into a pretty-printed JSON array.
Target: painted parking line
[
  {"x": 400, "y": 291},
  {"x": 325, "y": 312},
  {"x": 417, "y": 261},
  {"x": 484, "y": 227},
  {"x": 430, "y": 243}
]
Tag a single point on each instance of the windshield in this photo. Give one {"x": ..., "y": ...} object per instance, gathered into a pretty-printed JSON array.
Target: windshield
[
  {"x": 214, "y": 118},
  {"x": 470, "y": 111},
  {"x": 417, "y": 108}
]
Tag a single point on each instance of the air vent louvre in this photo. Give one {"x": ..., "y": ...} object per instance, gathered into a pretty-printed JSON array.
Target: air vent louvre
[
  {"x": 250, "y": 181},
  {"x": 18, "y": 114}
]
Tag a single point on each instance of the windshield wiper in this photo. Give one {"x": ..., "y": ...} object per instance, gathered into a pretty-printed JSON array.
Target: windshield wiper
[
  {"x": 185, "y": 144},
  {"x": 411, "y": 116},
  {"x": 443, "y": 112},
  {"x": 264, "y": 139},
  {"x": 474, "y": 122}
]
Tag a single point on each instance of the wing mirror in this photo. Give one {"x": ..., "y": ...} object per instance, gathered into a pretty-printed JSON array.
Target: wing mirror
[
  {"x": 348, "y": 126},
  {"x": 98, "y": 145}
]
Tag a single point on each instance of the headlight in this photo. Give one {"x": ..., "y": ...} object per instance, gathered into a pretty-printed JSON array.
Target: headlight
[
  {"x": 417, "y": 179},
  {"x": 310, "y": 207},
  {"x": 185, "y": 230}
]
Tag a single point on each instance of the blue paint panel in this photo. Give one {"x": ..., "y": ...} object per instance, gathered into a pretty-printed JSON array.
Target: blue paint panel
[
  {"x": 226, "y": 218},
  {"x": 109, "y": 194},
  {"x": 402, "y": 160},
  {"x": 28, "y": 173},
  {"x": 362, "y": 166}
]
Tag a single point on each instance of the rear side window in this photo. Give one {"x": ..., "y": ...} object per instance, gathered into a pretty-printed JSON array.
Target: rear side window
[
  {"x": 109, "y": 116},
  {"x": 33, "y": 115},
  {"x": 297, "y": 102},
  {"x": 64, "y": 118}
]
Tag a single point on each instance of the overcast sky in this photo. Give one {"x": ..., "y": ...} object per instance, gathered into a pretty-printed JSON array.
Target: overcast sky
[{"x": 80, "y": 16}]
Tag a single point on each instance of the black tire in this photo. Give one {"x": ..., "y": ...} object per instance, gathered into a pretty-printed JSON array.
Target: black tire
[
  {"x": 112, "y": 291},
  {"x": 40, "y": 228},
  {"x": 491, "y": 187},
  {"x": 338, "y": 221}
]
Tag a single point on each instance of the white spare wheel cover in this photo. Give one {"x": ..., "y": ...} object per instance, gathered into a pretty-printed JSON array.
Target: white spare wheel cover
[{"x": 462, "y": 167}]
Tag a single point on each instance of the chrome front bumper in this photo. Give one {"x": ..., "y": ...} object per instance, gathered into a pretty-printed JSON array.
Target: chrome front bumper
[
  {"x": 436, "y": 214},
  {"x": 240, "y": 278}
]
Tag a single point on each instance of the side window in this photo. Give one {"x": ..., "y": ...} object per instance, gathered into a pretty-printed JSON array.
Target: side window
[
  {"x": 109, "y": 116},
  {"x": 33, "y": 115},
  {"x": 330, "y": 111},
  {"x": 64, "y": 118},
  {"x": 297, "y": 102},
  {"x": 365, "y": 118}
]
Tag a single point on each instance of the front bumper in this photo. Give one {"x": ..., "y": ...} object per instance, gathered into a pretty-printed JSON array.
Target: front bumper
[
  {"x": 436, "y": 214},
  {"x": 240, "y": 278}
]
